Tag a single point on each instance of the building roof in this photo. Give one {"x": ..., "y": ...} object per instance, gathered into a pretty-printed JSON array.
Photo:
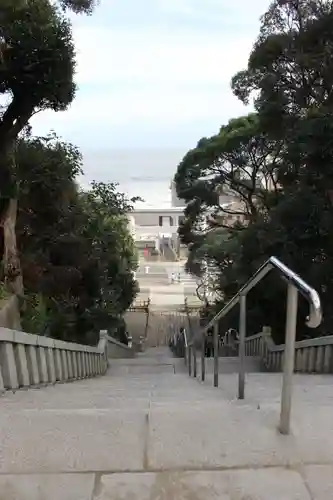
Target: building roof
[{"x": 156, "y": 210}]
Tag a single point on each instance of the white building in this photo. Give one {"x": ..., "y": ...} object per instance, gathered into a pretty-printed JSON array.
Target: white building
[{"x": 157, "y": 228}]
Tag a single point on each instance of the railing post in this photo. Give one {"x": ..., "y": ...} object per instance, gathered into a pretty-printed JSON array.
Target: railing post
[
  {"x": 203, "y": 357},
  {"x": 241, "y": 350},
  {"x": 189, "y": 360},
  {"x": 194, "y": 361},
  {"x": 216, "y": 354},
  {"x": 289, "y": 355}
]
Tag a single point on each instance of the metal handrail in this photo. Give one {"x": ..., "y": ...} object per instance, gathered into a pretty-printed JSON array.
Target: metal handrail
[
  {"x": 295, "y": 285},
  {"x": 185, "y": 338},
  {"x": 315, "y": 315}
]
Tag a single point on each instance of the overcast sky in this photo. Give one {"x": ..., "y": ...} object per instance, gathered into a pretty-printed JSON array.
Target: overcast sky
[{"x": 153, "y": 74}]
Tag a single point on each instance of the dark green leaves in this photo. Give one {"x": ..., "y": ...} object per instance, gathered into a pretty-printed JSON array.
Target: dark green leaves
[
  {"x": 76, "y": 251},
  {"x": 278, "y": 162},
  {"x": 79, "y": 6},
  {"x": 38, "y": 64}
]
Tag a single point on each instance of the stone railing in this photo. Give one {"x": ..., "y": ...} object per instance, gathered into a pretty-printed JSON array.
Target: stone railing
[
  {"x": 30, "y": 360},
  {"x": 311, "y": 355},
  {"x": 116, "y": 349},
  {"x": 10, "y": 313}
]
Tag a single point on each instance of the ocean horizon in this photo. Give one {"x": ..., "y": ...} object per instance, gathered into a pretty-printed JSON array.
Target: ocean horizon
[
  {"x": 146, "y": 173},
  {"x": 155, "y": 193}
]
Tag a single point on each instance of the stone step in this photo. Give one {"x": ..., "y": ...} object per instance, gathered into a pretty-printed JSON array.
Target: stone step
[
  {"x": 230, "y": 364},
  {"x": 163, "y": 435},
  {"x": 307, "y": 483},
  {"x": 160, "y": 436}
]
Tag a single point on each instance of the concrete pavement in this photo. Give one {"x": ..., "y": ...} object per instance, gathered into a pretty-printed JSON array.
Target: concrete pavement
[
  {"x": 148, "y": 431},
  {"x": 156, "y": 283}
]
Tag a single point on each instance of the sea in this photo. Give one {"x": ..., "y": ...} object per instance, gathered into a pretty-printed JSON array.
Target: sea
[{"x": 146, "y": 173}]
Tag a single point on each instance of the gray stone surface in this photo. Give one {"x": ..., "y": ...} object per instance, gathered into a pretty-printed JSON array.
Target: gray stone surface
[
  {"x": 144, "y": 370},
  {"x": 229, "y": 365},
  {"x": 243, "y": 436},
  {"x": 319, "y": 479},
  {"x": 250, "y": 484},
  {"x": 260, "y": 388},
  {"x": 148, "y": 431},
  {"x": 157, "y": 285},
  {"x": 89, "y": 439},
  {"x": 47, "y": 487},
  {"x": 260, "y": 484}
]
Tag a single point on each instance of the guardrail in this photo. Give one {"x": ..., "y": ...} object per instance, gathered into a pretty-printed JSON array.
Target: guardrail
[
  {"x": 28, "y": 360},
  {"x": 295, "y": 286},
  {"x": 311, "y": 355}
]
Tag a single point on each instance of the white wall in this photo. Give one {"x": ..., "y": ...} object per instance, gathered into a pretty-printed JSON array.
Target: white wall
[
  {"x": 155, "y": 230},
  {"x": 152, "y": 218}
]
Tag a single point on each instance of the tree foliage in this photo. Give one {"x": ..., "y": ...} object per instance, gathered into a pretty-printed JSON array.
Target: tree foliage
[
  {"x": 79, "y": 6},
  {"x": 225, "y": 179},
  {"x": 68, "y": 253},
  {"x": 76, "y": 252},
  {"x": 37, "y": 66},
  {"x": 289, "y": 78}
]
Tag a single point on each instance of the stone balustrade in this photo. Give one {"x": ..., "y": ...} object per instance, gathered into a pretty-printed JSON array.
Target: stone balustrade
[
  {"x": 116, "y": 349},
  {"x": 28, "y": 360},
  {"x": 10, "y": 313},
  {"x": 311, "y": 355}
]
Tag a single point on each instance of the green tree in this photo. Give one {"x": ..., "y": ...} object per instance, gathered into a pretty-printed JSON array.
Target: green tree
[
  {"x": 76, "y": 252},
  {"x": 114, "y": 250},
  {"x": 240, "y": 159},
  {"x": 79, "y": 6},
  {"x": 290, "y": 74},
  {"x": 289, "y": 70},
  {"x": 240, "y": 162},
  {"x": 37, "y": 66}
]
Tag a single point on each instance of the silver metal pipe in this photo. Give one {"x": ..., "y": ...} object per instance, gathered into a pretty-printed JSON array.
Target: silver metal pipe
[
  {"x": 315, "y": 314},
  {"x": 216, "y": 355},
  {"x": 203, "y": 357},
  {"x": 189, "y": 359},
  {"x": 194, "y": 361},
  {"x": 295, "y": 285},
  {"x": 289, "y": 358},
  {"x": 241, "y": 353}
]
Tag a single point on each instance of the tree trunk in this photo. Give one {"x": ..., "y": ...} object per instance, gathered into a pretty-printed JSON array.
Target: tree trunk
[
  {"x": 11, "y": 261},
  {"x": 8, "y": 214}
]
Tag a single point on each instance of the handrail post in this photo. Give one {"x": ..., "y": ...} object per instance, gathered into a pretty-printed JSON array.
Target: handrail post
[
  {"x": 189, "y": 360},
  {"x": 194, "y": 361},
  {"x": 185, "y": 347},
  {"x": 241, "y": 351},
  {"x": 289, "y": 355},
  {"x": 203, "y": 357},
  {"x": 216, "y": 354}
]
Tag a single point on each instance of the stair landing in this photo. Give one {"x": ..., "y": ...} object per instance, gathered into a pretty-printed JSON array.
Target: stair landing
[{"x": 147, "y": 431}]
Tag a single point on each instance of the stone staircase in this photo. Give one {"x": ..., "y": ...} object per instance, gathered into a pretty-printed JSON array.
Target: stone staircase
[
  {"x": 230, "y": 364},
  {"x": 148, "y": 431},
  {"x": 168, "y": 253}
]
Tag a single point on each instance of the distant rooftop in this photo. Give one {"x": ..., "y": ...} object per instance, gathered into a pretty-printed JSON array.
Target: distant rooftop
[{"x": 165, "y": 208}]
